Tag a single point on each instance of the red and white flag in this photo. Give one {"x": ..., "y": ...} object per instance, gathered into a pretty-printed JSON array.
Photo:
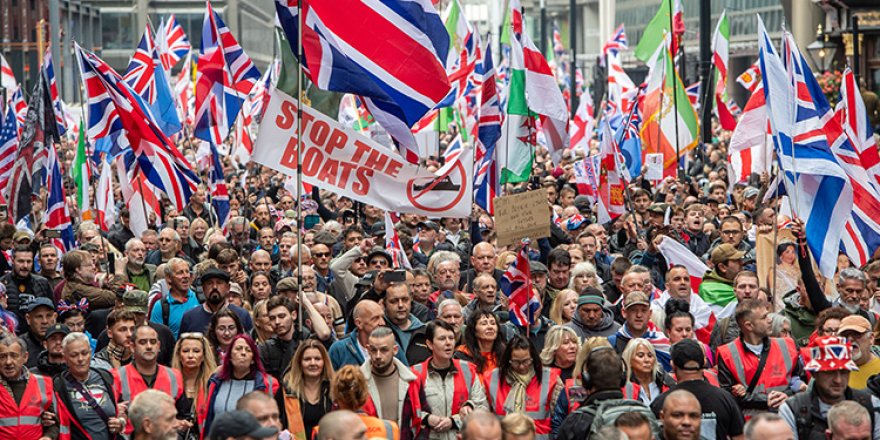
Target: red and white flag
[
  {"x": 751, "y": 78},
  {"x": 7, "y": 77},
  {"x": 679, "y": 255},
  {"x": 582, "y": 124}
]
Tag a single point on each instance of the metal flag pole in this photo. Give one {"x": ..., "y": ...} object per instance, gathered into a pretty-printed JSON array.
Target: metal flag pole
[{"x": 299, "y": 224}]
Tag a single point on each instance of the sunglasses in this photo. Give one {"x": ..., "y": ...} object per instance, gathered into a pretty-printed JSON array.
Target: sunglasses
[{"x": 321, "y": 254}]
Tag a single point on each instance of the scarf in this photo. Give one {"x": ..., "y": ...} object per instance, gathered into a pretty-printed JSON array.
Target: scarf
[
  {"x": 657, "y": 338},
  {"x": 25, "y": 374},
  {"x": 117, "y": 354},
  {"x": 516, "y": 400}
]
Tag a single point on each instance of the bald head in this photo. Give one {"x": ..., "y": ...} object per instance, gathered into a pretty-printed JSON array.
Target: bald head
[
  {"x": 368, "y": 315},
  {"x": 681, "y": 416},
  {"x": 481, "y": 425},
  {"x": 483, "y": 257},
  {"x": 341, "y": 425}
]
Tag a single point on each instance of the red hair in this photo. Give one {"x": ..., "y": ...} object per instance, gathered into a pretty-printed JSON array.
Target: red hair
[{"x": 226, "y": 364}]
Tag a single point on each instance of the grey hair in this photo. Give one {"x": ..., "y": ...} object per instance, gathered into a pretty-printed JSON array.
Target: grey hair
[
  {"x": 752, "y": 424},
  {"x": 169, "y": 266},
  {"x": 174, "y": 233},
  {"x": 440, "y": 257},
  {"x": 9, "y": 339},
  {"x": 73, "y": 337},
  {"x": 848, "y": 412},
  {"x": 777, "y": 323},
  {"x": 148, "y": 405},
  {"x": 583, "y": 268},
  {"x": 130, "y": 243},
  {"x": 479, "y": 417},
  {"x": 181, "y": 218},
  {"x": 306, "y": 253},
  {"x": 851, "y": 273},
  {"x": 381, "y": 332},
  {"x": 447, "y": 302}
]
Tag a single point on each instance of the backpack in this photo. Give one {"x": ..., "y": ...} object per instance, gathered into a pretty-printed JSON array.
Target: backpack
[
  {"x": 166, "y": 306},
  {"x": 607, "y": 412}
]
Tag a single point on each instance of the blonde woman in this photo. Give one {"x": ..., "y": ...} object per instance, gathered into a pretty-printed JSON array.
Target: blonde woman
[
  {"x": 583, "y": 275},
  {"x": 560, "y": 350},
  {"x": 574, "y": 395},
  {"x": 193, "y": 358},
  {"x": 643, "y": 370},
  {"x": 518, "y": 426},
  {"x": 304, "y": 395},
  {"x": 505, "y": 259},
  {"x": 262, "y": 327},
  {"x": 564, "y": 307}
]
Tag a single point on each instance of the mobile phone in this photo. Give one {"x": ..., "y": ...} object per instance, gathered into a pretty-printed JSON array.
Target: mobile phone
[
  {"x": 111, "y": 258},
  {"x": 311, "y": 220},
  {"x": 394, "y": 276},
  {"x": 52, "y": 233}
]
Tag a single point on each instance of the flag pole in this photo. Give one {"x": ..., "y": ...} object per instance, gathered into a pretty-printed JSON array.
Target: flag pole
[
  {"x": 674, "y": 90},
  {"x": 299, "y": 224},
  {"x": 775, "y": 218}
]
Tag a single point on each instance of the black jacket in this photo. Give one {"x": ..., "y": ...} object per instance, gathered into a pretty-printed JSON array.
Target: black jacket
[
  {"x": 20, "y": 292},
  {"x": 276, "y": 354},
  {"x": 46, "y": 368}
]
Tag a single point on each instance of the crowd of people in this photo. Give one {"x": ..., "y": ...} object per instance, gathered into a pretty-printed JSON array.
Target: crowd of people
[{"x": 193, "y": 330}]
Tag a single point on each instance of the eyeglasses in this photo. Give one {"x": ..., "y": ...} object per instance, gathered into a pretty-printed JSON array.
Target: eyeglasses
[
  {"x": 521, "y": 363},
  {"x": 227, "y": 330}
]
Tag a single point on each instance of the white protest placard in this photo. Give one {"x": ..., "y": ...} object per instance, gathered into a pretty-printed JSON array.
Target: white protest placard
[
  {"x": 654, "y": 164},
  {"x": 341, "y": 160}
]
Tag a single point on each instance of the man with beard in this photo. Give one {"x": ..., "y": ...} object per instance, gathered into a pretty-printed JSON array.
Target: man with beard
[
  {"x": 145, "y": 372},
  {"x": 807, "y": 411},
  {"x": 50, "y": 362},
  {"x": 153, "y": 416},
  {"x": 279, "y": 349},
  {"x": 22, "y": 285},
  {"x": 120, "y": 325},
  {"x": 594, "y": 318},
  {"x": 394, "y": 388},
  {"x": 136, "y": 271},
  {"x": 215, "y": 285}
]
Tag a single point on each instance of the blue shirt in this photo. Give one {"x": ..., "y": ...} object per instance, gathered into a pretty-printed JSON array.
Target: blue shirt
[
  {"x": 198, "y": 319},
  {"x": 176, "y": 311}
]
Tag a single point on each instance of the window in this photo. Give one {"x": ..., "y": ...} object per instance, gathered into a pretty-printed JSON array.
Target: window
[{"x": 117, "y": 30}]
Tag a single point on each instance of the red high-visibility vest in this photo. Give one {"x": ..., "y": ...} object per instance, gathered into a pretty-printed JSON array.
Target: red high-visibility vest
[
  {"x": 463, "y": 380},
  {"x": 128, "y": 383},
  {"x": 22, "y": 421},
  {"x": 539, "y": 403},
  {"x": 781, "y": 361}
]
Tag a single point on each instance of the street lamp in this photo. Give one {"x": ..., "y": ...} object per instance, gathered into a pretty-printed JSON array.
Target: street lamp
[{"x": 821, "y": 52}]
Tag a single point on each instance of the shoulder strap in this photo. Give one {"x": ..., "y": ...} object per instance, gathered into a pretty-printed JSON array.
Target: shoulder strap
[
  {"x": 166, "y": 310},
  {"x": 90, "y": 400},
  {"x": 765, "y": 353}
]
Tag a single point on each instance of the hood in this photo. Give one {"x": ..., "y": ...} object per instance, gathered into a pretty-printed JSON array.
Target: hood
[
  {"x": 47, "y": 367},
  {"x": 414, "y": 324},
  {"x": 713, "y": 276}
]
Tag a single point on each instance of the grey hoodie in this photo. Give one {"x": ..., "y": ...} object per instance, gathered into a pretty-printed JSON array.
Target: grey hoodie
[{"x": 606, "y": 327}]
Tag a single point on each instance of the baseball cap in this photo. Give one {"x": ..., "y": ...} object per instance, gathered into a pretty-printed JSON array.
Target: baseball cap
[
  {"x": 726, "y": 252},
  {"x": 831, "y": 353},
  {"x": 378, "y": 229},
  {"x": 288, "y": 283},
  {"x": 212, "y": 273},
  {"x": 854, "y": 323},
  {"x": 685, "y": 351},
  {"x": 657, "y": 208},
  {"x": 40, "y": 301},
  {"x": 379, "y": 252},
  {"x": 429, "y": 224},
  {"x": 750, "y": 192},
  {"x": 235, "y": 289},
  {"x": 238, "y": 424},
  {"x": 20, "y": 235},
  {"x": 135, "y": 301},
  {"x": 57, "y": 328},
  {"x": 636, "y": 298}
]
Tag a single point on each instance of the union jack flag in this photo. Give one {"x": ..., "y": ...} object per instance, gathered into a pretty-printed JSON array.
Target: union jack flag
[
  {"x": 617, "y": 42},
  {"x": 173, "y": 43},
  {"x": 16, "y": 101},
  {"x": 488, "y": 132},
  {"x": 142, "y": 67},
  {"x": 58, "y": 213},
  {"x": 115, "y": 110},
  {"x": 57, "y": 106},
  {"x": 516, "y": 284},
  {"x": 392, "y": 244},
  {"x": 225, "y": 77},
  {"x": 399, "y": 70},
  {"x": 693, "y": 93},
  {"x": 854, "y": 118},
  {"x": 219, "y": 192}
]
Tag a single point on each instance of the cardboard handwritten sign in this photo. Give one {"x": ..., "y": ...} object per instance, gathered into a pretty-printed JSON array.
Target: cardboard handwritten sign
[{"x": 522, "y": 215}]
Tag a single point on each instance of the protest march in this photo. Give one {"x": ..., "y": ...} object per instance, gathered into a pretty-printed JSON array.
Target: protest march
[{"x": 402, "y": 228}]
